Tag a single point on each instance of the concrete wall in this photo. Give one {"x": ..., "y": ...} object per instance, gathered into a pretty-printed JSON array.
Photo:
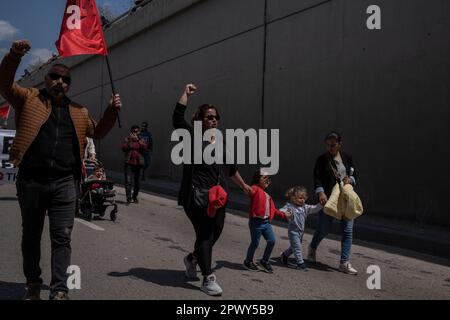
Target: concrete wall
[{"x": 303, "y": 66}]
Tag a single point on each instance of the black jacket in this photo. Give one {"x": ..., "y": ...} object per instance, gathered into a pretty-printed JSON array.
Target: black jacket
[
  {"x": 199, "y": 175},
  {"x": 323, "y": 174}
]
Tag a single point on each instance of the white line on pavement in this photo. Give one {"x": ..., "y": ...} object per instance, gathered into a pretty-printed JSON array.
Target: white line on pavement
[{"x": 89, "y": 224}]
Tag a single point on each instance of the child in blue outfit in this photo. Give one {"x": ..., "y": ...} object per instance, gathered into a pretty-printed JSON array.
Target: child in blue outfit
[{"x": 296, "y": 206}]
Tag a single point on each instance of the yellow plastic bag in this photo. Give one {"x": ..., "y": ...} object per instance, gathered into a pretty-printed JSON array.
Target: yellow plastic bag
[
  {"x": 353, "y": 205},
  {"x": 343, "y": 202},
  {"x": 331, "y": 208}
]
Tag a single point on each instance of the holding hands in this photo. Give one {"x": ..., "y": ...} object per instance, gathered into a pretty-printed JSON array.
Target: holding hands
[{"x": 289, "y": 215}]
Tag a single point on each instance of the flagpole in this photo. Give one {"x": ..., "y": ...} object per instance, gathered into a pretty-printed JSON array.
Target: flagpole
[{"x": 112, "y": 86}]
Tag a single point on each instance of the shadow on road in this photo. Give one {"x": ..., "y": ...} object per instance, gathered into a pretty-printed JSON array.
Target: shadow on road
[
  {"x": 167, "y": 278},
  {"x": 9, "y": 199},
  {"x": 228, "y": 265},
  {"x": 311, "y": 265},
  {"x": 15, "y": 291},
  {"x": 11, "y": 290},
  {"x": 321, "y": 267}
]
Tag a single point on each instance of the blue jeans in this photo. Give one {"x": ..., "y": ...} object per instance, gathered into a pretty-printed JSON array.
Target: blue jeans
[
  {"x": 323, "y": 229},
  {"x": 260, "y": 227}
]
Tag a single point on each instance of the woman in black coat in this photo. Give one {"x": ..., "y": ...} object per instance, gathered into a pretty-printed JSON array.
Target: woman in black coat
[{"x": 331, "y": 167}]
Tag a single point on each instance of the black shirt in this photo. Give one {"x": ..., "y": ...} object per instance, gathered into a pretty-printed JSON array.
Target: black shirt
[
  {"x": 206, "y": 176},
  {"x": 55, "y": 151}
]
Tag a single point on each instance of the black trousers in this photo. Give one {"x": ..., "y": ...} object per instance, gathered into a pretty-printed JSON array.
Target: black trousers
[
  {"x": 58, "y": 199},
  {"x": 207, "y": 232},
  {"x": 132, "y": 175}
]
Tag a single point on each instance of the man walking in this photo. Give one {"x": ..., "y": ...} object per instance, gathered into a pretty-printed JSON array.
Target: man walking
[
  {"x": 48, "y": 148},
  {"x": 133, "y": 147}
]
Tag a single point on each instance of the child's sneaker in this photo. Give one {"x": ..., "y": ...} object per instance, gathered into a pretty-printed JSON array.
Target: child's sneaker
[
  {"x": 249, "y": 265},
  {"x": 266, "y": 267},
  {"x": 210, "y": 286},
  {"x": 284, "y": 259},
  {"x": 302, "y": 266}
]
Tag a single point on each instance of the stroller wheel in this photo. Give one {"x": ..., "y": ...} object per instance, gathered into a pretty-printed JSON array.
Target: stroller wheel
[{"x": 113, "y": 215}]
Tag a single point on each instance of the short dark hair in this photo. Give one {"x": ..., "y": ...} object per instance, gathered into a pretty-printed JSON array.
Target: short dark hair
[
  {"x": 201, "y": 110},
  {"x": 134, "y": 127},
  {"x": 334, "y": 135},
  {"x": 257, "y": 176},
  {"x": 144, "y": 124}
]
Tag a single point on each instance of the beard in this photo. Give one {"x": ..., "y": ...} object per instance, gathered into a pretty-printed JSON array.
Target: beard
[{"x": 56, "y": 91}]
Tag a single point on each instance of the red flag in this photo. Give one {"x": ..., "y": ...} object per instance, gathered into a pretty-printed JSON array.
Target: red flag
[
  {"x": 81, "y": 30},
  {"x": 4, "y": 112}
]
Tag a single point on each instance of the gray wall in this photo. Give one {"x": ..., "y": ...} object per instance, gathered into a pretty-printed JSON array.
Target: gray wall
[{"x": 311, "y": 68}]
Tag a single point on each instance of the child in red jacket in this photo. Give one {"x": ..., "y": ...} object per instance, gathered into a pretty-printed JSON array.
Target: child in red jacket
[{"x": 262, "y": 211}]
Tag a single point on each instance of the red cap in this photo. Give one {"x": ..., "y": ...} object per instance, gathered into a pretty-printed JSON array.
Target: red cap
[{"x": 217, "y": 199}]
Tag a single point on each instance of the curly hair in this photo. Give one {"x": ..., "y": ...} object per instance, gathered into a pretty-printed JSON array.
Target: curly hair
[{"x": 295, "y": 190}]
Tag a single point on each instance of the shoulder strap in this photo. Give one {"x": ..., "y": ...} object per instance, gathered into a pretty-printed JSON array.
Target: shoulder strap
[{"x": 333, "y": 169}]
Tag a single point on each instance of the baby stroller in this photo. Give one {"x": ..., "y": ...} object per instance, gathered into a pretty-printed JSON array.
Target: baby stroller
[{"x": 96, "y": 195}]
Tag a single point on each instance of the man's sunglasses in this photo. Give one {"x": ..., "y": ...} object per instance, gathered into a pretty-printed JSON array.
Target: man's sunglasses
[
  {"x": 211, "y": 117},
  {"x": 55, "y": 76}
]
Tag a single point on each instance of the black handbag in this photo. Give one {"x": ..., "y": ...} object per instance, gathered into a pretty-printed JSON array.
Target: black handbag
[{"x": 201, "y": 196}]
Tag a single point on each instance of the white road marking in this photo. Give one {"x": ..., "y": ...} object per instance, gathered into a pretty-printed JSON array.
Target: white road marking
[{"x": 89, "y": 224}]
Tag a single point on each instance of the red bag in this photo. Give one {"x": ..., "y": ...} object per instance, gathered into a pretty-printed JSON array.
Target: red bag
[{"x": 217, "y": 199}]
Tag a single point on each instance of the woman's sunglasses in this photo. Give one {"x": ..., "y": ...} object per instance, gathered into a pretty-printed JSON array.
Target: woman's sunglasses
[
  {"x": 55, "y": 76},
  {"x": 211, "y": 117}
]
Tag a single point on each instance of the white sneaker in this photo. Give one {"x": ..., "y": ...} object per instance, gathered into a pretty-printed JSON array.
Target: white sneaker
[
  {"x": 191, "y": 268},
  {"x": 210, "y": 286},
  {"x": 311, "y": 255},
  {"x": 346, "y": 267}
]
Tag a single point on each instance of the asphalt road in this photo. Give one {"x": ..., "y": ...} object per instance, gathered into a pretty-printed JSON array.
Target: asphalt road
[{"x": 140, "y": 256}]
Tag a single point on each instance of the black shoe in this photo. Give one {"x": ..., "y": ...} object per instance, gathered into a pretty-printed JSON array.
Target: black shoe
[
  {"x": 135, "y": 200},
  {"x": 128, "y": 201},
  {"x": 249, "y": 265},
  {"x": 302, "y": 266},
  {"x": 284, "y": 259},
  {"x": 33, "y": 292},
  {"x": 59, "y": 296},
  {"x": 266, "y": 267}
]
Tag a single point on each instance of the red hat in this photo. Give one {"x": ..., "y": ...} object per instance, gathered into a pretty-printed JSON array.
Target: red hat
[{"x": 217, "y": 199}]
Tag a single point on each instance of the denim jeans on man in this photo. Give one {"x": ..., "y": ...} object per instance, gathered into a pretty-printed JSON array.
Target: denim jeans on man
[
  {"x": 323, "y": 228},
  {"x": 132, "y": 182},
  {"x": 57, "y": 198},
  {"x": 260, "y": 227}
]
